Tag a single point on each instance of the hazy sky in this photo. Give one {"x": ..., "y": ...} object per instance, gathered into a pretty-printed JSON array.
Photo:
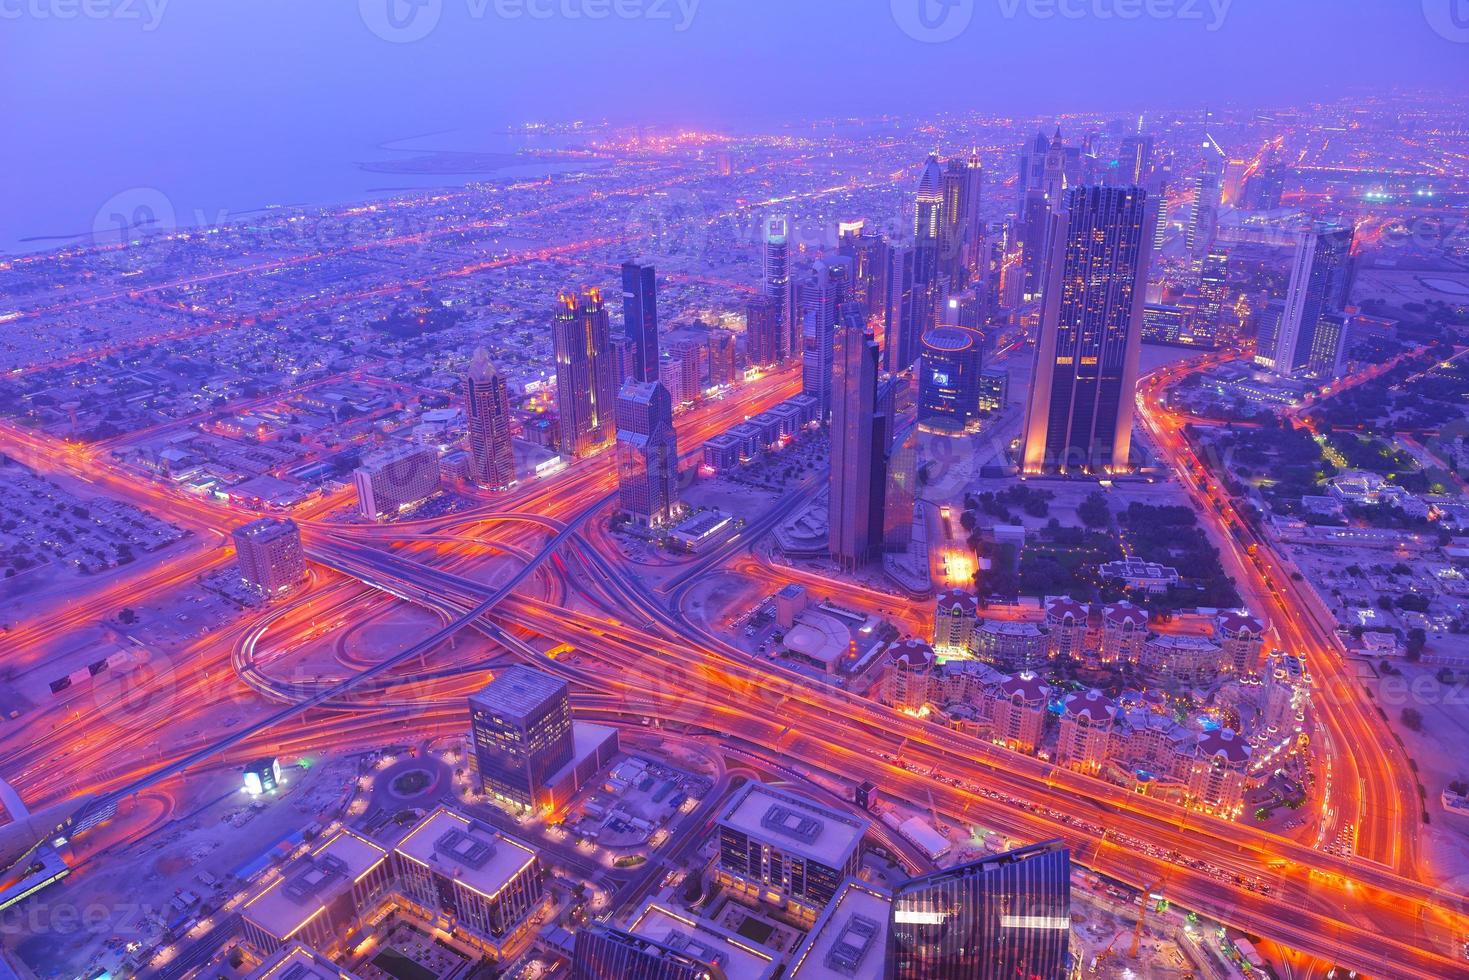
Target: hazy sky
[{"x": 132, "y": 91}]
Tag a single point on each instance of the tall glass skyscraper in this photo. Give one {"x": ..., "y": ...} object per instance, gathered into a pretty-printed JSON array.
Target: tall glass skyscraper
[
  {"x": 1081, "y": 400},
  {"x": 586, "y": 390},
  {"x": 777, "y": 285},
  {"x": 1320, "y": 279},
  {"x": 859, "y": 438},
  {"x": 819, "y": 297},
  {"x": 640, "y": 318},
  {"x": 487, "y": 417},
  {"x": 647, "y": 452},
  {"x": 1000, "y": 918}
]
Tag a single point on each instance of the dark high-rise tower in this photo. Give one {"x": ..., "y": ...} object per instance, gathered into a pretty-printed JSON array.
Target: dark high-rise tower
[
  {"x": 1081, "y": 398},
  {"x": 640, "y": 318},
  {"x": 819, "y": 297},
  {"x": 647, "y": 452},
  {"x": 949, "y": 377},
  {"x": 487, "y": 416},
  {"x": 1320, "y": 280},
  {"x": 905, "y": 316},
  {"x": 520, "y": 724},
  {"x": 959, "y": 233},
  {"x": 777, "y": 286},
  {"x": 868, "y": 253},
  {"x": 999, "y": 918},
  {"x": 858, "y": 446},
  {"x": 762, "y": 331},
  {"x": 928, "y": 223},
  {"x": 586, "y": 392}
]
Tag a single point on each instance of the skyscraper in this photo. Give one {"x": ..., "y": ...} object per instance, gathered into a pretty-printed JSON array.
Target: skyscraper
[
  {"x": 647, "y": 452},
  {"x": 948, "y": 377},
  {"x": 1320, "y": 279},
  {"x": 640, "y": 318},
  {"x": 858, "y": 447},
  {"x": 1049, "y": 173},
  {"x": 928, "y": 223},
  {"x": 1264, "y": 188},
  {"x": 487, "y": 415},
  {"x": 819, "y": 297},
  {"x": 270, "y": 555},
  {"x": 959, "y": 233},
  {"x": 520, "y": 724},
  {"x": 1081, "y": 399},
  {"x": 903, "y": 321},
  {"x": 999, "y": 918},
  {"x": 868, "y": 253},
  {"x": 585, "y": 389},
  {"x": 1208, "y": 192},
  {"x": 777, "y": 286},
  {"x": 762, "y": 332}
]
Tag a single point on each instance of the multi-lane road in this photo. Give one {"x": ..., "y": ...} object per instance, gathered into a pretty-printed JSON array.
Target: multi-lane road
[{"x": 638, "y": 657}]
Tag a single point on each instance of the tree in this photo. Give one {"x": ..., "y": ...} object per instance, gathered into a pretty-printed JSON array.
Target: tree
[
  {"x": 1413, "y": 719},
  {"x": 1417, "y": 640},
  {"x": 1094, "y": 511}
]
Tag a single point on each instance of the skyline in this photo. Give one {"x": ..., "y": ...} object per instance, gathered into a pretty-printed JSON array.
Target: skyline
[
  {"x": 336, "y": 94},
  {"x": 943, "y": 540}
]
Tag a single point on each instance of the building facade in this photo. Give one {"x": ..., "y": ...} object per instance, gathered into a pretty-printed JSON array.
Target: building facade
[
  {"x": 1081, "y": 407},
  {"x": 647, "y": 453},
  {"x": 520, "y": 730},
  {"x": 487, "y": 418},
  {"x": 586, "y": 391},
  {"x": 272, "y": 561}
]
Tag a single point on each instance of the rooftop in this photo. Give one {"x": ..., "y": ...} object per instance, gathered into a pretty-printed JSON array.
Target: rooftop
[
  {"x": 795, "y": 823},
  {"x": 312, "y": 882},
  {"x": 298, "y": 962},
  {"x": 705, "y": 941},
  {"x": 850, "y": 939},
  {"x": 520, "y": 691},
  {"x": 466, "y": 851}
]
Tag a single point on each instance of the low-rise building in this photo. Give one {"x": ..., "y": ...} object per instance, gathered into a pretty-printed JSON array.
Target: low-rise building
[
  {"x": 783, "y": 850},
  {"x": 1183, "y": 658},
  {"x": 464, "y": 877},
  {"x": 1150, "y": 577},
  {"x": 1012, "y": 645}
]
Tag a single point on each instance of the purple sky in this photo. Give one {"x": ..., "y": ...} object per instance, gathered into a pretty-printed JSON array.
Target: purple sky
[{"x": 271, "y": 86}]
